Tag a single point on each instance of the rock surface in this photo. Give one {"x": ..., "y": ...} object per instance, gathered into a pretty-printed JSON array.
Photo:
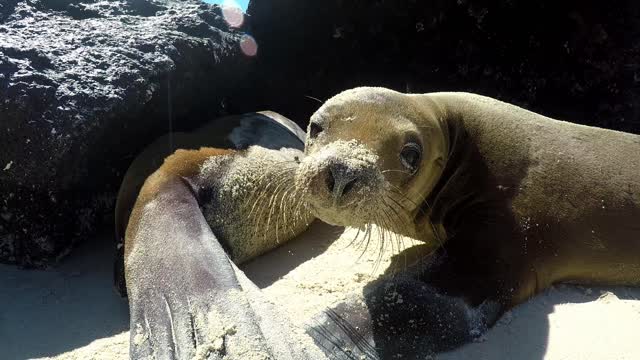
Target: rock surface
[
  {"x": 84, "y": 85},
  {"x": 573, "y": 60}
]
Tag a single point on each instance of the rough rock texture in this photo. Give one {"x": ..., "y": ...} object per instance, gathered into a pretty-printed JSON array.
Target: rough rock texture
[
  {"x": 86, "y": 84},
  {"x": 573, "y": 60}
]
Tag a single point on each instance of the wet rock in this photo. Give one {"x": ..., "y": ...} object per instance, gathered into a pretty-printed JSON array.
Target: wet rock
[
  {"x": 84, "y": 85},
  {"x": 573, "y": 60}
]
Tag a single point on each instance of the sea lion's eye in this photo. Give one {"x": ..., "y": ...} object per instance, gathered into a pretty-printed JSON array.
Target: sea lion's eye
[
  {"x": 314, "y": 130},
  {"x": 410, "y": 156}
]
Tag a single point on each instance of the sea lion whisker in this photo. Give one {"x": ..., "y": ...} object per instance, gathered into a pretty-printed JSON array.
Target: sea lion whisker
[
  {"x": 436, "y": 233},
  {"x": 354, "y": 238},
  {"x": 398, "y": 217},
  {"x": 381, "y": 240},
  {"x": 365, "y": 240},
  {"x": 390, "y": 223},
  {"x": 313, "y": 98},
  {"x": 271, "y": 208},
  {"x": 289, "y": 195},
  {"x": 394, "y": 189},
  {"x": 389, "y": 238},
  {"x": 258, "y": 217},
  {"x": 282, "y": 194},
  {"x": 398, "y": 238},
  {"x": 271, "y": 175},
  {"x": 301, "y": 205},
  {"x": 386, "y": 193},
  {"x": 394, "y": 170},
  {"x": 277, "y": 174},
  {"x": 264, "y": 192},
  {"x": 267, "y": 193}
]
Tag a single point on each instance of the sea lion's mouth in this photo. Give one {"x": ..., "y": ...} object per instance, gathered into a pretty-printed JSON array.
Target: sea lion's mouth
[
  {"x": 341, "y": 182},
  {"x": 333, "y": 216},
  {"x": 350, "y": 213}
]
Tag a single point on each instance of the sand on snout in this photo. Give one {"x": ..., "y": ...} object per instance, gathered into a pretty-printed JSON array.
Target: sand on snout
[{"x": 320, "y": 268}]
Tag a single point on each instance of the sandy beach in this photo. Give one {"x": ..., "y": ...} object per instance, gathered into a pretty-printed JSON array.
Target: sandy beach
[{"x": 73, "y": 312}]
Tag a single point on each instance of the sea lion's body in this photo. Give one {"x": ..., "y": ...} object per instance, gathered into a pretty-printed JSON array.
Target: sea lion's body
[
  {"x": 544, "y": 201},
  {"x": 511, "y": 201},
  {"x": 187, "y": 299}
]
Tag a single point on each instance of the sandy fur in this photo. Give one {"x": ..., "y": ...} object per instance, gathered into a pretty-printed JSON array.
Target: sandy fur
[
  {"x": 253, "y": 203},
  {"x": 360, "y": 161}
]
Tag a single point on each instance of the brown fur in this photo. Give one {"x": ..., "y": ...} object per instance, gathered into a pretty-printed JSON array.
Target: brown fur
[
  {"x": 518, "y": 201},
  {"x": 181, "y": 164}
]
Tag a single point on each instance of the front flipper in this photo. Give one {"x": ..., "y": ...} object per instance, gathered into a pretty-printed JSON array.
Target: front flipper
[
  {"x": 345, "y": 331},
  {"x": 187, "y": 300},
  {"x": 399, "y": 317}
]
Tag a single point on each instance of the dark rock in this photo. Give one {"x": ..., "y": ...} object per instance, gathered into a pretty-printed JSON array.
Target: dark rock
[
  {"x": 84, "y": 85},
  {"x": 572, "y": 60}
]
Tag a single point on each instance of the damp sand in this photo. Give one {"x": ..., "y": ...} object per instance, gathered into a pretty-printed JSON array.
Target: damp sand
[{"x": 40, "y": 311}]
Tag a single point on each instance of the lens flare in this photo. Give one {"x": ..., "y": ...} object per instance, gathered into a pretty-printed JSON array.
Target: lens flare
[
  {"x": 248, "y": 45},
  {"x": 232, "y": 13}
]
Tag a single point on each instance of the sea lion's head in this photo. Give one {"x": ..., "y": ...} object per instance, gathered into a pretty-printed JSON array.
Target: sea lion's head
[{"x": 373, "y": 156}]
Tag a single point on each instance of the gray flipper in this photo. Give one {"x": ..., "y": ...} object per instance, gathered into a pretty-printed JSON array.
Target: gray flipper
[
  {"x": 188, "y": 299},
  {"x": 399, "y": 317}
]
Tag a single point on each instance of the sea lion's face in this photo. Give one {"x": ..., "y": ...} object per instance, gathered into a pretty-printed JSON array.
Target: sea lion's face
[{"x": 373, "y": 155}]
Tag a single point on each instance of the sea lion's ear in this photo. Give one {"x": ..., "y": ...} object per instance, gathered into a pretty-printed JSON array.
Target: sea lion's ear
[{"x": 314, "y": 129}]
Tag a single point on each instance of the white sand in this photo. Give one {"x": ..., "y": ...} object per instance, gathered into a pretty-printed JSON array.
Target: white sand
[{"x": 73, "y": 313}]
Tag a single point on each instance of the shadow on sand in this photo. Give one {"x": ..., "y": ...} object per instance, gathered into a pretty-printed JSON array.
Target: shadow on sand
[
  {"x": 282, "y": 260},
  {"x": 45, "y": 313}
]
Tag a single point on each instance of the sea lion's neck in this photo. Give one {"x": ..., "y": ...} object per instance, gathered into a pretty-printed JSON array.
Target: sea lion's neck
[{"x": 459, "y": 184}]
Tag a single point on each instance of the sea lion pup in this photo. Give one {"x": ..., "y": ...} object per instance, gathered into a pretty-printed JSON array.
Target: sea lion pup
[
  {"x": 514, "y": 202},
  {"x": 187, "y": 299}
]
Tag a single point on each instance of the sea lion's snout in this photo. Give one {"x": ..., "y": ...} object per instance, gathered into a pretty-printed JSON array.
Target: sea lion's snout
[{"x": 340, "y": 181}]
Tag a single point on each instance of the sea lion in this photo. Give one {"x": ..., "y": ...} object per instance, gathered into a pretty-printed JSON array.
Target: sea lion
[
  {"x": 510, "y": 201},
  {"x": 265, "y": 128},
  {"x": 187, "y": 299}
]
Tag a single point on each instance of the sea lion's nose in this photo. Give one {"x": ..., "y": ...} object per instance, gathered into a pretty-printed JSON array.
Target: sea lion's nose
[{"x": 339, "y": 180}]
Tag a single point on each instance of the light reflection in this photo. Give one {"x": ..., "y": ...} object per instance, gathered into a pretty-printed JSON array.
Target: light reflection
[
  {"x": 248, "y": 45},
  {"x": 233, "y": 14}
]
